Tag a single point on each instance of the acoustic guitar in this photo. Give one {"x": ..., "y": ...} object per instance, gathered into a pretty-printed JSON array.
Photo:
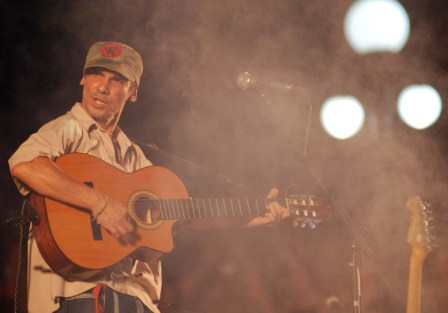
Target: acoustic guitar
[
  {"x": 421, "y": 239},
  {"x": 74, "y": 245}
]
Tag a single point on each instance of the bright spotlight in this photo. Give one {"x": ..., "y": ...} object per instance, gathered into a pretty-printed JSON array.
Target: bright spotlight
[
  {"x": 419, "y": 106},
  {"x": 342, "y": 116},
  {"x": 376, "y": 26}
]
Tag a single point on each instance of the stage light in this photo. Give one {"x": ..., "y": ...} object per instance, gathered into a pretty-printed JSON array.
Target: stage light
[
  {"x": 342, "y": 116},
  {"x": 419, "y": 106},
  {"x": 376, "y": 26}
]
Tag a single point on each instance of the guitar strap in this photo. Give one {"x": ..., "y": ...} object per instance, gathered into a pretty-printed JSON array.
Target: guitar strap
[
  {"x": 96, "y": 293},
  {"x": 117, "y": 149}
]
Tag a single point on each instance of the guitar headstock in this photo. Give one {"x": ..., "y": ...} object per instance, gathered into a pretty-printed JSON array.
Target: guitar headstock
[
  {"x": 421, "y": 229},
  {"x": 307, "y": 210}
]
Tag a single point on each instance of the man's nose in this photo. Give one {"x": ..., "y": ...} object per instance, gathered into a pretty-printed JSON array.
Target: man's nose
[{"x": 103, "y": 86}]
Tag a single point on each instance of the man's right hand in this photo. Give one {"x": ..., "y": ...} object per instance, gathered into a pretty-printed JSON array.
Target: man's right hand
[{"x": 115, "y": 219}]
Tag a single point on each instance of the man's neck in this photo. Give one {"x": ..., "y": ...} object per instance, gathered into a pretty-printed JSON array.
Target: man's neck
[{"x": 110, "y": 127}]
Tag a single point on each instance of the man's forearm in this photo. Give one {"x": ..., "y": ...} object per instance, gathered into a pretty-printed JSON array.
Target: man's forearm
[{"x": 43, "y": 176}]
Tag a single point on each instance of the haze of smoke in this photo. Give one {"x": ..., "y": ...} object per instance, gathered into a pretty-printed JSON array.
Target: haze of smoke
[{"x": 193, "y": 52}]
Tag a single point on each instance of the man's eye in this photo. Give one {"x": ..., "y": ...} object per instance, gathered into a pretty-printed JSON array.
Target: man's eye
[
  {"x": 95, "y": 74},
  {"x": 120, "y": 80}
]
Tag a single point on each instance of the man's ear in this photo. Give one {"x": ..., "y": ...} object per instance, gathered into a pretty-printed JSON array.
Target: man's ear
[{"x": 133, "y": 96}]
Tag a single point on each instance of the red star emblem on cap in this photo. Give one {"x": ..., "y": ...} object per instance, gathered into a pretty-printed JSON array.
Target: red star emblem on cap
[{"x": 110, "y": 50}]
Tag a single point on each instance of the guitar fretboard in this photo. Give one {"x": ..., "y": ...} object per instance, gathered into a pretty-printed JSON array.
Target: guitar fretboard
[{"x": 196, "y": 208}]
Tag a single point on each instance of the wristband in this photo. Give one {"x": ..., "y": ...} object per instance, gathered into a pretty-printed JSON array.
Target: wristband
[{"x": 102, "y": 209}]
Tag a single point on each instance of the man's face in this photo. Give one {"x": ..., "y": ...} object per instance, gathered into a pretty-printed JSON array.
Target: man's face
[{"x": 104, "y": 95}]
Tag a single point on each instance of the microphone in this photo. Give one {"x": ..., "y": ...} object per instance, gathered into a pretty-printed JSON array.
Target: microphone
[{"x": 245, "y": 81}]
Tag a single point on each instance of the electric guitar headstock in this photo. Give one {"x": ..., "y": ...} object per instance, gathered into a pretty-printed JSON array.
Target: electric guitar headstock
[
  {"x": 421, "y": 235},
  {"x": 307, "y": 210}
]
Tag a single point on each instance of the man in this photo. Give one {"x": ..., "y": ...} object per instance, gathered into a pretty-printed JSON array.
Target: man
[{"x": 111, "y": 77}]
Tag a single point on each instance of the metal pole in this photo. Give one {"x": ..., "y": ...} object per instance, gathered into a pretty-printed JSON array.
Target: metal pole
[{"x": 357, "y": 278}]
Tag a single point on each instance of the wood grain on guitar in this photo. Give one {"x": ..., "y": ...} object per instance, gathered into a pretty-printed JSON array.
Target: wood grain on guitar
[{"x": 75, "y": 246}]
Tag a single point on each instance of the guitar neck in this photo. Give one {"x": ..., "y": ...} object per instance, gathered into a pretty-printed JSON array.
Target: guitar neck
[
  {"x": 200, "y": 208},
  {"x": 415, "y": 281},
  {"x": 421, "y": 240}
]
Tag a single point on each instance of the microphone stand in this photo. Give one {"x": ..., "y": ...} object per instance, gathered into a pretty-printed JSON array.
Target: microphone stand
[
  {"x": 27, "y": 215},
  {"x": 356, "y": 264}
]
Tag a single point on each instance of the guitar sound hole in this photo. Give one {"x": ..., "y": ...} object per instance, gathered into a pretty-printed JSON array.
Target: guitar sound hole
[{"x": 146, "y": 210}]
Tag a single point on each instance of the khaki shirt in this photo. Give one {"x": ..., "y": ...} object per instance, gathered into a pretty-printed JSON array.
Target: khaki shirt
[{"x": 76, "y": 131}]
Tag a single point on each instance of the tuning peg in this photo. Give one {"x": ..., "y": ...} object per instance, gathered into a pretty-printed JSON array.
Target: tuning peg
[
  {"x": 309, "y": 223},
  {"x": 312, "y": 223}
]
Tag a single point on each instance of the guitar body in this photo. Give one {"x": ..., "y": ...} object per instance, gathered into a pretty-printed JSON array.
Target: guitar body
[{"x": 72, "y": 243}]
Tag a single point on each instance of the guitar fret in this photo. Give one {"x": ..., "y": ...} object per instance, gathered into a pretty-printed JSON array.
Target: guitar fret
[
  {"x": 241, "y": 209},
  {"x": 205, "y": 208},
  {"x": 248, "y": 207},
  {"x": 159, "y": 207},
  {"x": 165, "y": 216},
  {"x": 162, "y": 206},
  {"x": 167, "y": 209},
  {"x": 171, "y": 208},
  {"x": 199, "y": 209},
  {"x": 185, "y": 208},
  {"x": 210, "y": 206},
  {"x": 178, "y": 209},
  {"x": 224, "y": 205},
  {"x": 186, "y": 203},
  {"x": 258, "y": 209},
  {"x": 174, "y": 208},
  {"x": 231, "y": 205},
  {"x": 173, "y": 201},
  {"x": 182, "y": 208},
  {"x": 192, "y": 208},
  {"x": 217, "y": 207}
]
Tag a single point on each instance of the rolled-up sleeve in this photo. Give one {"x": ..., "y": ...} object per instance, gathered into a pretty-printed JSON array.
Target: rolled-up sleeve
[{"x": 52, "y": 140}]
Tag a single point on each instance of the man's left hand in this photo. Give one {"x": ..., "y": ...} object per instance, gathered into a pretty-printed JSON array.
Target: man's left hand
[{"x": 275, "y": 212}]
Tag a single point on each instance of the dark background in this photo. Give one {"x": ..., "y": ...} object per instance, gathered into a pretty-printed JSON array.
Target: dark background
[{"x": 189, "y": 105}]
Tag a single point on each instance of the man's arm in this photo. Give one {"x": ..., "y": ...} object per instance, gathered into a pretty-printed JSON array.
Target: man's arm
[{"x": 44, "y": 177}]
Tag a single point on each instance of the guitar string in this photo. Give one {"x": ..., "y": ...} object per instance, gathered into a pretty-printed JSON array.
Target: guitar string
[{"x": 174, "y": 208}]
